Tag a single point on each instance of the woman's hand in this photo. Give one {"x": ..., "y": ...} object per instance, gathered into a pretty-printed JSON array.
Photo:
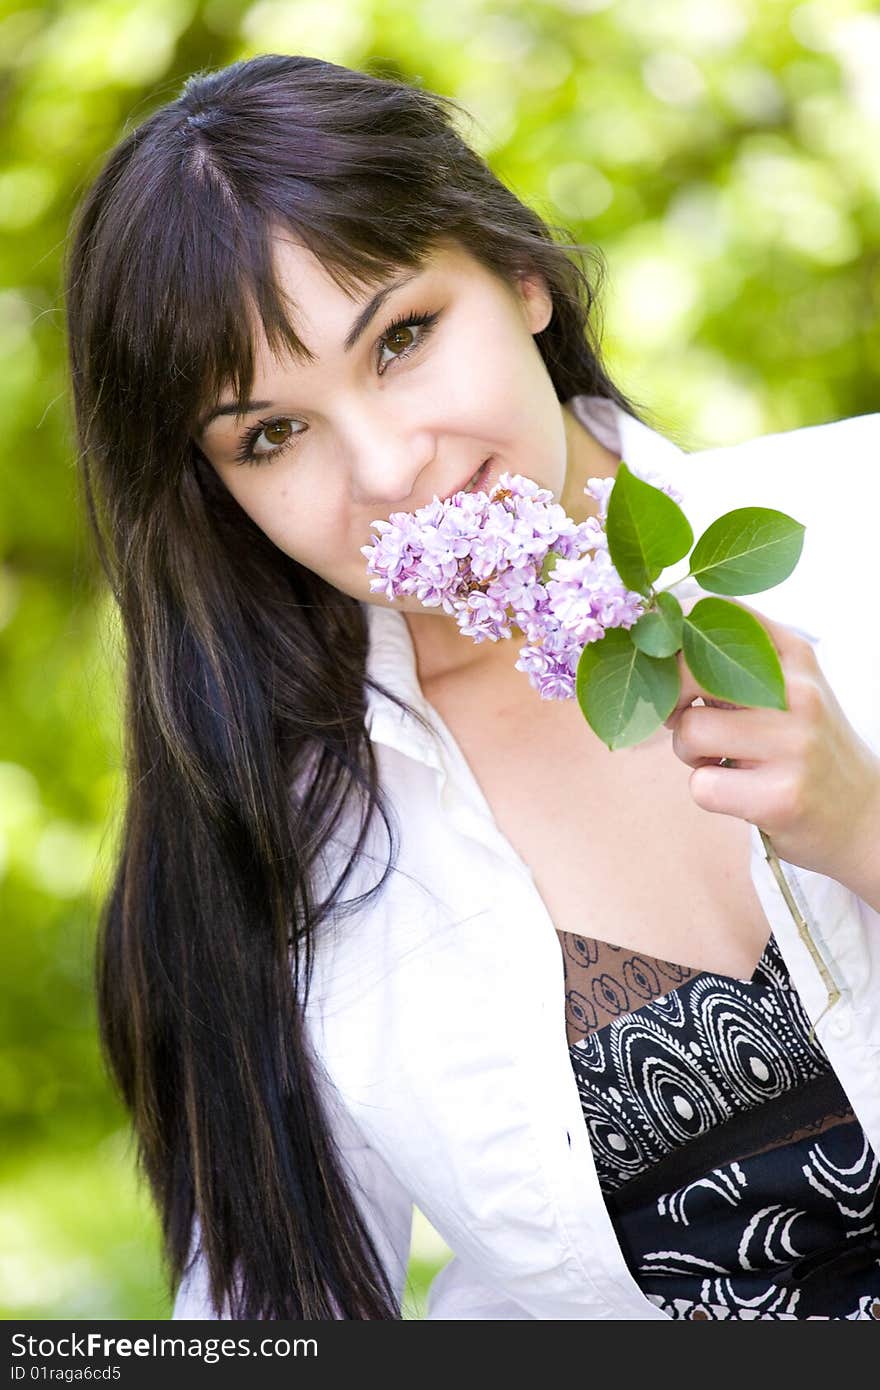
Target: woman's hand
[{"x": 802, "y": 775}]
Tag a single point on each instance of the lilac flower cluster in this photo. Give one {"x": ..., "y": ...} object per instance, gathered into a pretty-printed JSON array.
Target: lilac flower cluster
[{"x": 481, "y": 557}]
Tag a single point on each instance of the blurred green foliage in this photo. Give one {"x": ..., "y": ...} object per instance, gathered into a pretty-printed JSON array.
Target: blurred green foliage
[{"x": 724, "y": 156}]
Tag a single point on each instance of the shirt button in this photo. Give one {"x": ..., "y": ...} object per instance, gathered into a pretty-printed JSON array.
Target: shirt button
[{"x": 840, "y": 1025}]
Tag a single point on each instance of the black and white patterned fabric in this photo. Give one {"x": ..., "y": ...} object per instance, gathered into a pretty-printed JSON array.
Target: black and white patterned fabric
[{"x": 739, "y": 1181}]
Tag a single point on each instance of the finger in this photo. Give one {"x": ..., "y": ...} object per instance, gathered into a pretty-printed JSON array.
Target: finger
[
  {"x": 727, "y": 791},
  {"x": 702, "y": 735},
  {"x": 690, "y": 691}
]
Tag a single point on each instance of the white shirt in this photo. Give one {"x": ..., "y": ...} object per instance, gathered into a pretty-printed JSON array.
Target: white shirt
[{"x": 437, "y": 1011}]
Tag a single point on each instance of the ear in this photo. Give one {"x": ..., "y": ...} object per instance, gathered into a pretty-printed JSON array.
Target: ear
[{"x": 536, "y": 299}]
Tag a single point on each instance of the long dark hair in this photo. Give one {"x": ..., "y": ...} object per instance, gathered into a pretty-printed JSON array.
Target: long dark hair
[{"x": 245, "y": 737}]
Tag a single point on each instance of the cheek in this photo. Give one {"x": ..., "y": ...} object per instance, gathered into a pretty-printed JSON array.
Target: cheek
[
  {"x": 489, "y": 362},
  {"x": 302, "y": 520},
  {"x": 313, "y": 525},
  {"x": 510, "y": 402}
]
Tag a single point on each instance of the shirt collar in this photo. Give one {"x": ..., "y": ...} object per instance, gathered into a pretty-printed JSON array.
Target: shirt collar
[
  {"x": 391, "y": 657},
  {"x": 391, "y": 661}
]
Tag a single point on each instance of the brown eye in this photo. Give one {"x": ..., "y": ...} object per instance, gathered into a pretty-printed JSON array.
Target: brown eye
[
  {"x": 278, "y": 432},
  {"x": 404, "y": 337},
  {"x": 400, "y": 338},
  {"x": 268, "y": 439}
]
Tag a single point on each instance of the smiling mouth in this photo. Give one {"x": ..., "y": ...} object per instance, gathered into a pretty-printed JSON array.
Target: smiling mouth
[{"x": 476, "y": 481}]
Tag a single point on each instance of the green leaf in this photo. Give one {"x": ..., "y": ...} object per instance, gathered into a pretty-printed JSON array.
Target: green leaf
[
  {"x": 624, "y": 695},
  {"x": 658, "y": 632},
  {"x": 732, "y": 655},
  {"x": 549, "y": 565},
  {"x": 646, "y": 530},
  {"x": 746, "y": 551}
]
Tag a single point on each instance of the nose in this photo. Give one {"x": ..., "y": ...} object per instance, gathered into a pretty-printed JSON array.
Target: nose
[{"x": 387, "y": 460}]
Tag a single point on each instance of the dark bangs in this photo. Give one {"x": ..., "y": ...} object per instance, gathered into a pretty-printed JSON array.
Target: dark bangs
[{"x": 185, "y": 249}]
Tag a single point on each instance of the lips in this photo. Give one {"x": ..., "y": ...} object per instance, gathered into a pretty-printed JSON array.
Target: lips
[{"x": 475, "y": 482}]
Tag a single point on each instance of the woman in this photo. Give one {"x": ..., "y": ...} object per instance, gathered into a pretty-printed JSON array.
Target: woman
[{"x": 335, "y": 961}]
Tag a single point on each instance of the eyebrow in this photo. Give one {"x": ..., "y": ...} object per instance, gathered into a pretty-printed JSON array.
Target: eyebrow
[{"x": 355, "y": 333}]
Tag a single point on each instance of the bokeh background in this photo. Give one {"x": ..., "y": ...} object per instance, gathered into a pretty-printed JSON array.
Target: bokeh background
[{"x": 725, "y": 158}]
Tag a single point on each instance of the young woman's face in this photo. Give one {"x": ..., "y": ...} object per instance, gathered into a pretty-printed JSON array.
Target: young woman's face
[{"x": 399, "y": 416}]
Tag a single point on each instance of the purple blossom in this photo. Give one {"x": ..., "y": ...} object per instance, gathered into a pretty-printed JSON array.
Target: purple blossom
[{"x": 479, "y": 556}]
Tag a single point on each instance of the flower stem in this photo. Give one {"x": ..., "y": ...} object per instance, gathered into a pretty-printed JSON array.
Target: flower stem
[{"x": 803, "y": 930}]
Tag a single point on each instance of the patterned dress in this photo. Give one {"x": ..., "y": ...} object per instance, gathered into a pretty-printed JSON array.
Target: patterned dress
[{"x": 738, "y": 1179}]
